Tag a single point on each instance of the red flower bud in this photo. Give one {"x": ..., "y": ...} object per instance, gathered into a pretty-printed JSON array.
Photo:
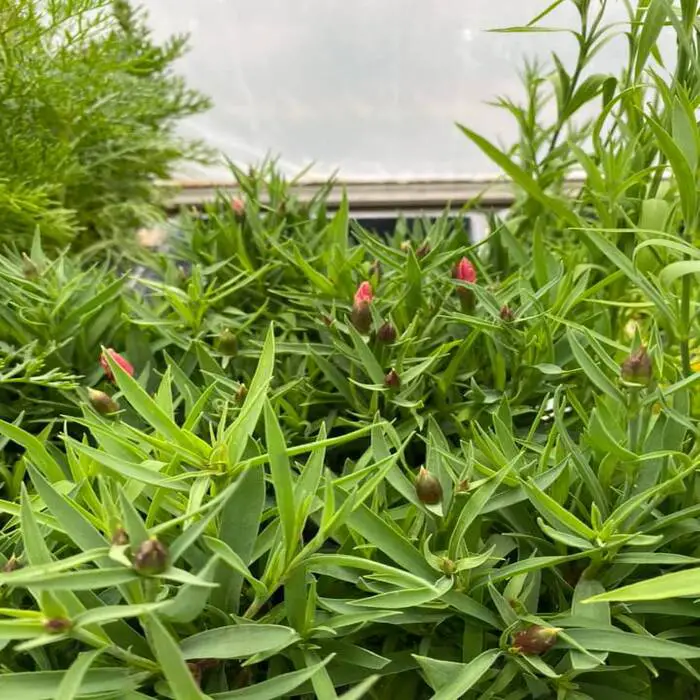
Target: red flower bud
[
  {"x": 428, "y": 488},
  {"x": 361, "y": 314},
  {"x": 124, "y": 364},
  {"x": 464, "y": 271},
  {"x": 103, "y": 403},
  {"x": 535, "y": 640},
  {"x": 364, "y": 293}
]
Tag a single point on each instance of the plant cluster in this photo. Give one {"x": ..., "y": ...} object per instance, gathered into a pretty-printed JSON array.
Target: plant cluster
[{"x": 291, "y": 458}]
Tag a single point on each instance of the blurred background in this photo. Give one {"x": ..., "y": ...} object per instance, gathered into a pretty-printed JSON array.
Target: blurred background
[{"x": 371, "y": 88}]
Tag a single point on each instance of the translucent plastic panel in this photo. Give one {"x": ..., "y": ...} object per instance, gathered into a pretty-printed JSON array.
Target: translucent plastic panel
[{"x": 371, "y": 87}]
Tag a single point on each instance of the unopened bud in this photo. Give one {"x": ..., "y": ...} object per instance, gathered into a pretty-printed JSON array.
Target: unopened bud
[
  {"x": 447, "y": 566},
  {"x": 116, "y": 357},
  {"x": 428, "y": 488},
  {"x": 361, "y": 314},
  {"x": 120, "y": 537},
  {"x": 241, "y": 393},
  {"x": 12, "y": 564},
  {"x": 386, "y": 333},
  {"x": 535, "y": 640},
  {"x": 103, "y": 403},
  {"x": 637, "y": 368},
  {"x": 392, "y": 379},
  {"x": 506, "y": 313},
  {"x": 238, "y": 207},
  {"x": 462, "y": 486},
  {"x": 151, "y": 557},
  {"x": 227, "y": 343},
  {"x": 405, "y": 246},
  {"x": 30, "y": 270},
  {"x": 423, "y": 250},
  {"x": 57, "y": 625}
]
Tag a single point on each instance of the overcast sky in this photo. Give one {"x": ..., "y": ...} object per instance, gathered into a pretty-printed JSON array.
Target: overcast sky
[{"x": 373, "y": 87}]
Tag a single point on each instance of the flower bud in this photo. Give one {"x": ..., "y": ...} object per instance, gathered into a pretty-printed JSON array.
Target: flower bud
[
  {"x": 535, "y": 640},
  {"x": 56, "y": 625},
  {"x": 423, "y": 250},
  {"x": 392, "y": 379},
  {"x": 227, "y": 343},
  {"x": 120, "y": 537},
  {"x": 238, "y": 207},
  {"x": 123, "y": 363},
  {"x": 637, "y": 368},
  {"x": 12, "y": 564},
  {"x": 241, "y": 393},
  {"x": 464, "y": 271},
  {"x": 462, "y": 486},
  {"x": 405, "y": 246},
  {"x": 386, "y": 333},
  {"x": 151, "y": 558},
  {"x": 361, "y": 314},
  {"x": 447, "y": 566},
  {"x": 506, "y": 313},
  {"x": 30, "y": 270},
  {"x": 103, "y": 403},
  {"x": 428, "y": 488}
]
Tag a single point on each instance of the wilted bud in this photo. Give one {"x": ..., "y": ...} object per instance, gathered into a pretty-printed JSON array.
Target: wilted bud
[
  {"x": 241, "y": 393},
  {"x": 56, "y": 625},
  {"x": 103, "y": 403},
  {"x": 428, "y": 488},
  {"x": 423, "y": 250},
  {"x": 506, "y": 313},
  {"x": 535, "y": 640},
  {"x": 120, "y": 537},
  {"x": 386, "y": 333},
  {"x": 238, "y": 207},
  {"x": 227, "y": 343},
  {"x": 151, "y": 557},
  {"x": 637, "y": 368},
  {"x": 12, "y": 564},
  {"x": 392, "y": 379},
  {"x": 123, "y": 363},
  {"x": 361, "y": 314},
  {"x": 30, "y": 269}
]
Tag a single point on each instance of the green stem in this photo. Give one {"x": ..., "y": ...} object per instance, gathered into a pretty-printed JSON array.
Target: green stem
[{"x": 685, "y": 325}]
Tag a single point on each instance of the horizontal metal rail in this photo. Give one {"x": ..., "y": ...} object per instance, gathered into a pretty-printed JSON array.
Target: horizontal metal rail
[{"x": 378, "y": 198}]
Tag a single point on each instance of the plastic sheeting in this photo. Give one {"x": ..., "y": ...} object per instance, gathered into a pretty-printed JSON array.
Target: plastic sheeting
[{"x": 372, "y": 88}]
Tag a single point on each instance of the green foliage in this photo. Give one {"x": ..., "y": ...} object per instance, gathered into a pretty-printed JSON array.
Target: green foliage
[
  {"x": 248, "y": 524},
  {"x": 90, "y": 106}
]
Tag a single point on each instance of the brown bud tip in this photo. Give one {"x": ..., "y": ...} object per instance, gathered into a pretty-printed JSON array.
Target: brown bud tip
[
  {"x": 227, "y": 343},
  {"x": 637, "y": 368},
  {"x": 120, "y": 537},
  {"x": 392, "y": 379},
  {"x": 423, "y": 250},
  {"x": 12, "y": 564},
  {"x": 462, "y": 486},
  {"x": 103, "y": 403},
  {"x": 57, "y": 625},
  {"x": 535, "y": 640},
  {"x": 386, "y": 333},
  {"x": 506, "y": 313},
  {"x": 428, "y": 488},
  {"x": 151, "y": 557},
  {"x": 241, "y": 393}
]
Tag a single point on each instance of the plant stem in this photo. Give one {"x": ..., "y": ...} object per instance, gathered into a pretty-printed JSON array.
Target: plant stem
[{"x": 685, "y": 325}]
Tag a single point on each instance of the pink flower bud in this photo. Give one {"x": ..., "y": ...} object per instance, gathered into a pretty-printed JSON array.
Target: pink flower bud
[
  {"x": 464, "y": 271},
  {"x": 238, "y": 206},
  {"x": 364, "y": 293},
  {"x": 123, "y": 363},
  {"x": 361, "y": 314}
]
